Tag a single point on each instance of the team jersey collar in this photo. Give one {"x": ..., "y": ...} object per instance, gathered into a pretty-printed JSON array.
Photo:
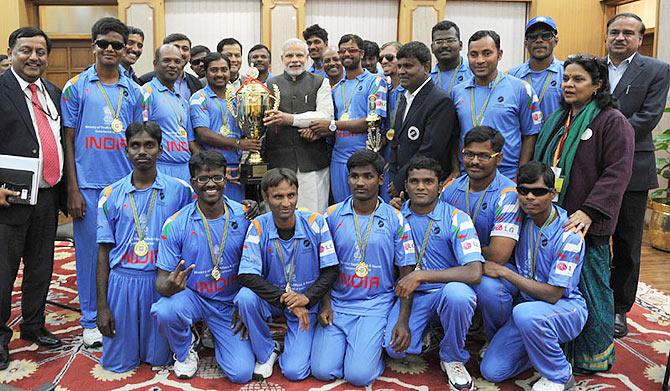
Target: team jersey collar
[
  {"x": 494, "y": 186},
  {"x": 470, "y": 83},
  {"x": 160, "y": 87},
  {"x": 209, "y": 92},
  {"x": 159, "y": 182},
  {"x": 299, "y": 229},
  {"x": 360, "y": 77},
  {"x": 459, "y": 68},
  {"x": 555, "y": 225},
  {"x": 348, "y": 207},
  {"x": 554, "y": 67},
  {"x": 435, "y": 214},
  {"x": 196, "y": 216},
  {"x": 123, "y": 79}
]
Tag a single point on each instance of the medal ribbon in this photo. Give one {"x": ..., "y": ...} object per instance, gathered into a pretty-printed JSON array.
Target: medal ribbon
[
  {"x": 180, "y": 114},
  {"x": 561, "y": 142},
  {"x": 224, "y": 114},
  {"x": 363, "y": 242},
  {"x": 424, "y": 244},
  {"x": 453, "y": 77},
  {"x": 473, "y": 215},
  {"x": 351, "y": 97},
  {"x": 288, "y": 276},
  {"x": 109, "y": 104},
  {"x": 140, "y": 231},
  {"x": 535, "y": 245},
  {"x": 476, "y": 121},
  {"x": 394, "y": 112},
  {"x": 216, "y": 258},
  {"x": 547, "y": 79}
]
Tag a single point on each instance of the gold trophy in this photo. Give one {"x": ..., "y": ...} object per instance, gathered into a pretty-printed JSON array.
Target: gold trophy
[
  {"x": 374, "y": 142},
  {"x": 253, "y": 99}
]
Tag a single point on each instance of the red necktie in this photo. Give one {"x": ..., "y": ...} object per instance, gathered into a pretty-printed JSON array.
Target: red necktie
[{"x": 51, "y": 165}]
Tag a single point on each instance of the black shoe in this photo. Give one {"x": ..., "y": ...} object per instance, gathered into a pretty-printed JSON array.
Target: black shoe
[
  {"x": 4, "y": 356},
  {"x": 42, "y": 337},
  {"x": 620, "y": 325}
]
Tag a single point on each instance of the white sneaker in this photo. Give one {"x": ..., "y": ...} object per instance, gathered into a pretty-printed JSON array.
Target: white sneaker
[
  {"x": 545, "y": 384},
  {"x": 459, "y": 378},
  {"x": 187, "y": 368},
  {"x": 483, "y": 350},
  {"x": 264, "y": 370},
  {"x": 92, "y": 338}
]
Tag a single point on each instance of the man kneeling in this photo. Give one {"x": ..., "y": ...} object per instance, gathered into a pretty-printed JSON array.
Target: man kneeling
[
  {"x": 288, "y": 264},
  {"x": 448, "y": 258},
  {"x": 552, "y": 310}
]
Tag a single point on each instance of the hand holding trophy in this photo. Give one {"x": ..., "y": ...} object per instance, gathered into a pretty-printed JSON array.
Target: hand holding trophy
[
  {"x": 374, "y": 142},
  {"x": 253, "y": 99}
]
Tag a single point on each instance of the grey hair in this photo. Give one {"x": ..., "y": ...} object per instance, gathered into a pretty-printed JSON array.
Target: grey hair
[
  {"x": 294, "y": 42},
  {"x": 397, "y": 45}
]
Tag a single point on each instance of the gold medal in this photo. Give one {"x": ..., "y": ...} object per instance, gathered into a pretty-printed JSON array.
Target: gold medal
[
  {"x": 389, "y": 134},
  {"x": 182, "y": 132},
  {"x": 362, "y": 269},
  {"x": 417, "y": 267},
  {"x": 117, "y": 125},
  {"x": 345, "y": 117},
  {"x": 216, "y": 273},
  {"x": 141, "y": 248},
  {"x": 224, "y": 130}
]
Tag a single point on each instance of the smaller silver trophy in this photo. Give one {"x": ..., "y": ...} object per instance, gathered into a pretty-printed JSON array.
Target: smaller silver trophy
[{"x": 374, "y": 142}]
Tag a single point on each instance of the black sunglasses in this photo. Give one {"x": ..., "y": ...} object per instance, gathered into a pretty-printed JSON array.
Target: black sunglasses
[
  {"x": 389, "y": 57},
  {"x": 545, "y": 35},
  {"x": 537, "y": 192},
  {"x": 104, "y": 44}
]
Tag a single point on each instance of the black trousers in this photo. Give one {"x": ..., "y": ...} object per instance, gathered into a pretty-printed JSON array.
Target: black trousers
[
  {"x": 627, "y": 245},
  {"x": 33, "y": 242}
]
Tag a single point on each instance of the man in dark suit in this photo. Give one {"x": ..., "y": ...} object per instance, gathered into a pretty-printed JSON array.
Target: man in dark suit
[
  {"x": 425, "y": 117},
  {"x": 186, "y": 83},
  {"x": 30, "y": 126},
  {"x": 640, "y": 84}
]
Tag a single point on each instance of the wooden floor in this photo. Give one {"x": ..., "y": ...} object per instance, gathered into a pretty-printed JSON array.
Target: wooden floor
[{"x": 655, "y": 267}]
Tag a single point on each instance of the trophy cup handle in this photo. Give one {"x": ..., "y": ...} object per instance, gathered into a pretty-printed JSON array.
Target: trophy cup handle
[
  {"x": 276, "y": 96},
  {"x": 229, "y": 100}
]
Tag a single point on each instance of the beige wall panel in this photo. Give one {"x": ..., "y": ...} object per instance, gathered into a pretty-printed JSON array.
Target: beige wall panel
[
  {"x": 508, "y": 19},
  {"x": 645, "y": 9},
  {"x": 206, "y": 22},
  {"x": 580, "y": 25},
  {"x": 142, "y": 17},
  {"x": 284, "y": 21}
]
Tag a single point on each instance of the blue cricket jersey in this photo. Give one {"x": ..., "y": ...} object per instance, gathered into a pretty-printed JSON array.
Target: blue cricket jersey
[
  {"x": 390, "y": 244},
  {"x": 452, "y": 240},
  {"x": 99, "y": 152},
  {"x": 184, "y": 238},
  {"x": 497, "y": 214},
  {"x": 352, "y": 96},
  {"x": 512, "y": 109},
  {"x": 449, "y": 79},
  {"x": 116, "y": 224},
  {"x": 209, "y": 111},
  {"x": 546, "y": 83}
]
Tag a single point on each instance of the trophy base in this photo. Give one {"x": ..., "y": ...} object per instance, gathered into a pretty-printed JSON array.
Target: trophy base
[{"x": 252, "y": 173}]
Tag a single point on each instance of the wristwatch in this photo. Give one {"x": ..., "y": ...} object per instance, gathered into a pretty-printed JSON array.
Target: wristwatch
[{"x": 332, "y": 127}]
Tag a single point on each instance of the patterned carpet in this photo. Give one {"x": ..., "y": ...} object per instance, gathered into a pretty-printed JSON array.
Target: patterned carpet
[{"x": 641, "y": 356}]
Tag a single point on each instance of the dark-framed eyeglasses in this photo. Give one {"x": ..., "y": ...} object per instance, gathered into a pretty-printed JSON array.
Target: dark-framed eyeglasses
[
  {"x": 536, "y": 191},
  {"x": 104, "y": 44},
  {"x": 204, "y": 179},
  {"x": 197, "y": 62},
  {"x": 484, "y": 157},
  {"x": 350, "y": 50},
  {"x": 544, "y": 35}
]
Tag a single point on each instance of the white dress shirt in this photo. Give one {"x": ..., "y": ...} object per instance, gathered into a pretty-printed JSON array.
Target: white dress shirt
[
  {"x": 616, "y": 71},
  {"x": 49, "y": 106},
  {"x": 409, "y": 97}
]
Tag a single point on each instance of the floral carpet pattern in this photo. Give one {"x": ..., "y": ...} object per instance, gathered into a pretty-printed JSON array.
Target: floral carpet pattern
[{"x": 640, "y": 364}]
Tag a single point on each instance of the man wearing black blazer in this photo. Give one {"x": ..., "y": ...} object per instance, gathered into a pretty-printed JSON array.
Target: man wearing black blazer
[
  {"x": 640, "y": 84},
  {"x": 30, "y": 126},
  {"x": 425, "y": 117}
]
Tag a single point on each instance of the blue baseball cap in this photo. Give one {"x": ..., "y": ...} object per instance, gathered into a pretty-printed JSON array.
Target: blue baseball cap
[{"x": 542, "y": 19}]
